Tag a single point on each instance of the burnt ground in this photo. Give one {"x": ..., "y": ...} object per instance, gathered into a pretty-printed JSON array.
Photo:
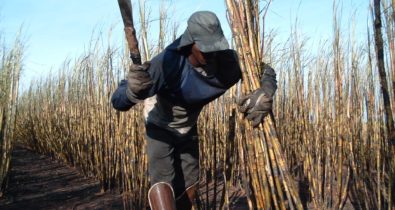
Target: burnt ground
[{"x": 39, "y": 182}]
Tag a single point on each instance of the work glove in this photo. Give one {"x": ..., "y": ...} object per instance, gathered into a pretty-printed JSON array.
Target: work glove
[
  {"x": 259, "y": 103},
  {"x": 268, "y": 80},
  {"x": 255, "y": 106},
  {"x": 139, "y": 80}
]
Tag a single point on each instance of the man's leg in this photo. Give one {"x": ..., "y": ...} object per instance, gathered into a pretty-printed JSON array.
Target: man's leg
[
  {"x": 187, "y": 151},
  {"x": 187, "y": 199},
  {"x": 160, "y": 153}
]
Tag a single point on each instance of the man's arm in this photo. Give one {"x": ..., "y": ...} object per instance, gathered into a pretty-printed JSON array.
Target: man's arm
[
  {"x": 119, "y": 98},
  {"x": 143, "y": 81},
  {"x": 259, "y": 103},
  {"x": 268, "y": 80}
]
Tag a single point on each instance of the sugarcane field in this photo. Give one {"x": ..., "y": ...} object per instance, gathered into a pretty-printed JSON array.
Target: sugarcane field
[{"x": 198, "y": 104}]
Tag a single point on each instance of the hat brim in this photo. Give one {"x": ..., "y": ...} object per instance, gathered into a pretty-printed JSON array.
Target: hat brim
[
  {"x": 186, "y": 39},
  {"x": 205, "y": 46},
  {"x": 213, "y": 45}
]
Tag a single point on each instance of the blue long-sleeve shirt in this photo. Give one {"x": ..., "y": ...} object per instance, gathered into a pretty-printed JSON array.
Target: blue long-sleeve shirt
[{"x": 181, "y": 90}]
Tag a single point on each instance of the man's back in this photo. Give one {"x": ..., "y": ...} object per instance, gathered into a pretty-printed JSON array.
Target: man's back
[{"x": 183, "y": 90}]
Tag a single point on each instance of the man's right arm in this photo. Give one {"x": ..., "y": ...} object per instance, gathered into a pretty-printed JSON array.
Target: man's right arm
[
  {"x": 120, "y": 100},
  {"x": 142, "y": 82}
]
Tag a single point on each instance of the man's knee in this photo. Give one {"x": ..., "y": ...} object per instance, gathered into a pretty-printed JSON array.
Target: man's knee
[
  {"x": 161, "y": 174},
  {"x": 160, "y": 162}
]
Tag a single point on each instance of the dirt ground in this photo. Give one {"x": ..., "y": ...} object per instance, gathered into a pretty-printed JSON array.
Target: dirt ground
[{"x": 39, "y": 182}]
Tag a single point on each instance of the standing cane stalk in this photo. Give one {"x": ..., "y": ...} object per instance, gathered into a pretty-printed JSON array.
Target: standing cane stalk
[{"x": 274, "y": 176}]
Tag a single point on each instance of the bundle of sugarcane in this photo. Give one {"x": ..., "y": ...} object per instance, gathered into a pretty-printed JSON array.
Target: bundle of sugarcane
[{"x": 271, "y": 186}]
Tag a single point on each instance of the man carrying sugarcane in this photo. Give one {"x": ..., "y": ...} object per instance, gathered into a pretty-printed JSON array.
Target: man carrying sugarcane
[{"x": 195, "y": 69}]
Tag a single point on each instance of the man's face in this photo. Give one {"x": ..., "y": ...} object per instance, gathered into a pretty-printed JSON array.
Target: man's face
[
  {"x": 206, "y": 61},
  {"x": 197, "y": 57}
]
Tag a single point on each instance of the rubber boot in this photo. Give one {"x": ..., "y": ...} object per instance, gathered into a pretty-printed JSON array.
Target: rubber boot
[
  {"x": 187, "y": 199},
  {"x": 161, "y": 197}
]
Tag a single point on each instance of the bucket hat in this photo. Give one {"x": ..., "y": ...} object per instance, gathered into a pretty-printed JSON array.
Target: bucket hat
[{"x": 205, "y": 30}]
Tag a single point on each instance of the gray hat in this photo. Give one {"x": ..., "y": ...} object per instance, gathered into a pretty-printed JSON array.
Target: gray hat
[{"x": 205, "y": 30}]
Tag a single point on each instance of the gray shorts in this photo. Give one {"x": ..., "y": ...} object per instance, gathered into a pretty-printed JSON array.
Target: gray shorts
[{"x": 173, "y": 158}]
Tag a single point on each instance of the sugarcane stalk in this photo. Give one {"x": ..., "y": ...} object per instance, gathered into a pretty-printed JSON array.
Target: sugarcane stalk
[
  {"x": 125, "y": 7},
  {"x": 241, "y": 17}
]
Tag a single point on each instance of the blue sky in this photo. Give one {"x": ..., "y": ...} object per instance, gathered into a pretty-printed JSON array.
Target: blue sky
[{"x": 58, "y": 29}]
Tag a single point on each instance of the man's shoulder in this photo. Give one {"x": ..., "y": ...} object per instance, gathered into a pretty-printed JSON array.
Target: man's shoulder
[{"x": 169, "y": 56}]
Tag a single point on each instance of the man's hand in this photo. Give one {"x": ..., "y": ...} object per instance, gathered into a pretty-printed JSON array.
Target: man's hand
[
  {"x": 139, "y": 80},
  {"x": 256, "y": 106}
]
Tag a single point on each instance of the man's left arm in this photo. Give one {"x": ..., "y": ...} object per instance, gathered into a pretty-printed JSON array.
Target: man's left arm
[
  {"x": 268, "y": 80},
  {"x": 259, "y": 103}
]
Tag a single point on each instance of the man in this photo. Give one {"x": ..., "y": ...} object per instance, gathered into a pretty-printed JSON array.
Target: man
[{"x": 195, "y": 69}]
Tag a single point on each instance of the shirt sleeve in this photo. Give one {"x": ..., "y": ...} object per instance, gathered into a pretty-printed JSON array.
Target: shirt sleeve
[
  {"x": 268, "y": 80},
  {"x": 119, "y": 98}
]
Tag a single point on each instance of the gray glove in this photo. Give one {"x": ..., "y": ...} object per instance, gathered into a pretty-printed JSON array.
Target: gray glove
[
  {"x": 259, "y": 103},
  {"x": 139, "y": 80},
  {"x": 256, "y": 106},
  {"x": 268, "y": 80}
]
